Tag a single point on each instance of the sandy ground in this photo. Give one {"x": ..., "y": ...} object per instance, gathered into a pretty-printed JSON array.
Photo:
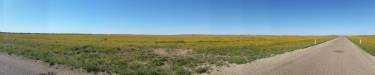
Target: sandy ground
[
  {"x": 15, "y": 65},
  {"x": 336, "y": 57}
]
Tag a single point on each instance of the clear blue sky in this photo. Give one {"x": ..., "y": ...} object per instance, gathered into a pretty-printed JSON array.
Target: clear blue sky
[{"x": 305, "y": 17}]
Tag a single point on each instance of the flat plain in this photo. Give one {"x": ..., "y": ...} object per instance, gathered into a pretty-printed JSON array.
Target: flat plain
[{"x": 150, "y": 54}]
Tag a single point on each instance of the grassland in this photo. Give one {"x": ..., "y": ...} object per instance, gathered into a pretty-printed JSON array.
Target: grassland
[
  {"x": 150, "y": 54},
  {"x": 368, "y": 43}
]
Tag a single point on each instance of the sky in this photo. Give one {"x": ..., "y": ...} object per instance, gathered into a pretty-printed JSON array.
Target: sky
[{"x": 262, "y": 17}]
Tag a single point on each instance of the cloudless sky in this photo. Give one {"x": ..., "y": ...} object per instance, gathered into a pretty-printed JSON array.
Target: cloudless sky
[{"x": 303, "y": 17}]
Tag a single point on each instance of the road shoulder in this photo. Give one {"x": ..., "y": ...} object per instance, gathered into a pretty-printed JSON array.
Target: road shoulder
[{"x": 17, "y": 65}]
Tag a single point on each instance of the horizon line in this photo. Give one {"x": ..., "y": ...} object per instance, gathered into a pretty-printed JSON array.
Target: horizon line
[{"x": 189, "y": 34}]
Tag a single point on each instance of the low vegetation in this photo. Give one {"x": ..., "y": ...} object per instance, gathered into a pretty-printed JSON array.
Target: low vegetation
[
  {"x": 365, "y": 42},
  {"x": 150, "y": 54}
]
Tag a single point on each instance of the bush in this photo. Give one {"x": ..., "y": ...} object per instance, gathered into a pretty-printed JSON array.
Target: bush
[
  {"x": 237, "y": 60},
  {"x": 202, "y": 69},
  {"x": 159, "y": 61}
]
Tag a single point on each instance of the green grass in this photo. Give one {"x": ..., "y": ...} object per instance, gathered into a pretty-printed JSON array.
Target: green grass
[
  {"x": 368, "y": 43},
  {"x": 150, "y": 54}
]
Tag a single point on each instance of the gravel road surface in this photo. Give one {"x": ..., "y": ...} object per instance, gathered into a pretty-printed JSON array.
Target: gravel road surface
[
  {"x": 15, "y": 65},
  {"x": 336, "y": 57}
]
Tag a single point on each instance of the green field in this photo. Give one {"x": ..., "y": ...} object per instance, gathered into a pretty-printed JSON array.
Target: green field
[
  {"x": 368, "y": 43},
  {"x": 150, "y": 54}
]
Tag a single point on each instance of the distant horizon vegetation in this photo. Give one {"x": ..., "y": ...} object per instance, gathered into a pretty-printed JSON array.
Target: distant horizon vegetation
[
  {"x": 195, "y": 34},
  {"x": 182, "y": 34}
]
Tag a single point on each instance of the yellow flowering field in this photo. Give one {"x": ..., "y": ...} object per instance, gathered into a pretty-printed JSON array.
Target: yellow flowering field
[
  {"x": 368, "y": 43},
  {"x": 151, "y": 54}
]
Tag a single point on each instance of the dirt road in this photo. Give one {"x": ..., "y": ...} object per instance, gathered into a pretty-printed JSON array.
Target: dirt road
[
  {"x": 335, "y": 57},
  {"x": 15, "y": 65}
]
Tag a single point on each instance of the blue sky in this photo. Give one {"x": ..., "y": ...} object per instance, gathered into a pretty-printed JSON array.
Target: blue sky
[{"x": 302, "y": 17}]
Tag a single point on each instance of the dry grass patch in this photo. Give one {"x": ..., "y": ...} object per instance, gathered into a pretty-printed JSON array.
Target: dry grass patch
[{"x": 172, "y": 52}]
